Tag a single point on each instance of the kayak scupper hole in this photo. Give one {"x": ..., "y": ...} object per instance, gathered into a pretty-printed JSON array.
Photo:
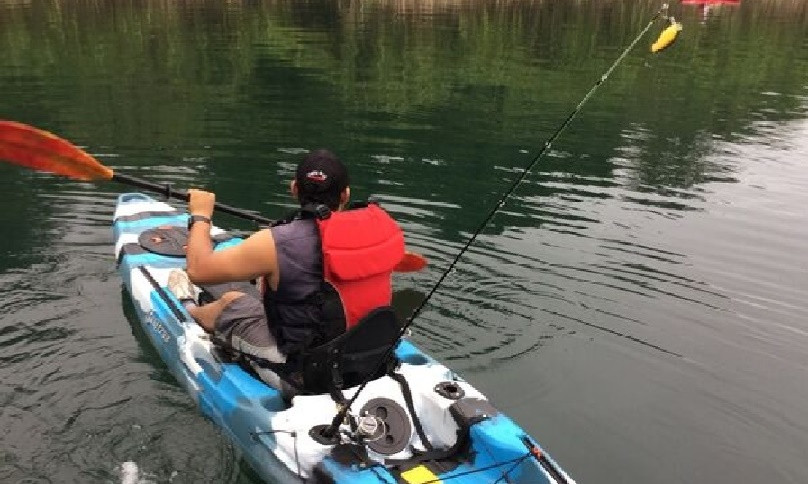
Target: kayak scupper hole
[{"x": 450, "y": 390}]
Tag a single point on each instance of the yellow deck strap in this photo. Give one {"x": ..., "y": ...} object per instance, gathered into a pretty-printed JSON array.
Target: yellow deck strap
[{"x": 420, "y": 475}]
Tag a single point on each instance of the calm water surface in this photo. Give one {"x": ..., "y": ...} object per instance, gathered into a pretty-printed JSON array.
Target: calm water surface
[{"x": 640, "y": 305}]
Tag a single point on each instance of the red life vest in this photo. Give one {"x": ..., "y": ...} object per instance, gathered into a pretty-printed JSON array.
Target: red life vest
[{"x": 360, "y": 249}]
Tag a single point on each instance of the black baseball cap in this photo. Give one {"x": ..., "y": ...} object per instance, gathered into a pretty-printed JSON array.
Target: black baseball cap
[{"x": 321, "y": 177}]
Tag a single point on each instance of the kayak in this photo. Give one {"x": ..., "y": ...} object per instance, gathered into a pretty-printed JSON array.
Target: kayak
[{"x": 417, "y": 423}]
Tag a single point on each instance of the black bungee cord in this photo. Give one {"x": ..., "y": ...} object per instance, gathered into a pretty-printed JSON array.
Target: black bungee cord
[{"x": 330, "y": 431}]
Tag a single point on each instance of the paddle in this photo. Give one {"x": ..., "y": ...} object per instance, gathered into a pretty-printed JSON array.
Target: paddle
[
  {"x": 43, "y": 151},
  {"x": 40, "y": 150}
]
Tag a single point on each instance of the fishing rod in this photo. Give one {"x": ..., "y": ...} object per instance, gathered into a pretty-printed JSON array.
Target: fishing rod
[{"x": 330, "y": 431}]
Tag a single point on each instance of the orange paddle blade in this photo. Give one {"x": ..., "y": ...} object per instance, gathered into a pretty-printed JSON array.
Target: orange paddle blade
[
  {"x": 43, "y": 151},
  {"x": 411, "y": 262}
]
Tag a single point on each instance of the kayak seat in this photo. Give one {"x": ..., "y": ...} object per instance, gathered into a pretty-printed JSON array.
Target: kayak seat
[{"x": 352, "y": 357}]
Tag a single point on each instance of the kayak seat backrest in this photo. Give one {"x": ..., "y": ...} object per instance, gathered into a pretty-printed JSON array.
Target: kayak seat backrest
[{"x": 354, "y": 356}]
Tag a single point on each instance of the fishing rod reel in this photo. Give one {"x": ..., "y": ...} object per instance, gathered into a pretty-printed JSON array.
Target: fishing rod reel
[
  {"x": 370, "y": 428},
  {"x": 382, "y": 426},
  {"x": 363, "y": 429}
]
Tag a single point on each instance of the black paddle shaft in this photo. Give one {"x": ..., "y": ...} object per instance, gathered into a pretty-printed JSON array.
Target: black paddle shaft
[{"x": 165, "y": 189}]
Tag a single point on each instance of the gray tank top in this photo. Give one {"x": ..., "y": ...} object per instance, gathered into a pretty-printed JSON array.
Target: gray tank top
[{"x": 293, "y": 311}]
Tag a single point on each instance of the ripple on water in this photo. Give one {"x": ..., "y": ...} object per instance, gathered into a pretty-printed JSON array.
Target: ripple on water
[
  {"x": 511, "y": 294},
  {"x": 74, "y": 379}
]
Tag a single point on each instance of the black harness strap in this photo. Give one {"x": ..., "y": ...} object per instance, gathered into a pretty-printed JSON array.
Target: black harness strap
[
  {"x": 310, "y": 210},
  {"x": 288, "y": 370},
  {"x": 434, "y": 454},
  {"x": 148, "y": 214},
  {"x": 416, "y": 422}
]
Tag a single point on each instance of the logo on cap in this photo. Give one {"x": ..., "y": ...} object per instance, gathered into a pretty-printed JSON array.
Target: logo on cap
[{"x": 316, "y": 176}]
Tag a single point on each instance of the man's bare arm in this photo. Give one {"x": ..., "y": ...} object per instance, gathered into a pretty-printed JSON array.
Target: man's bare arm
[{"x": 248, "y": 260}]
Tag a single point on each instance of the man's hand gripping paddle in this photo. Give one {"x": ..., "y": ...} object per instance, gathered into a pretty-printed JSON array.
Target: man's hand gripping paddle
[{"x": 40, "y": 150}]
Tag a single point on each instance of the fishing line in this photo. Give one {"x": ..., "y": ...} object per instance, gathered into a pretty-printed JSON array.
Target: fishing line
[
  {"x": 500, "y": 203},
  {"x": 526, "y": 171}
]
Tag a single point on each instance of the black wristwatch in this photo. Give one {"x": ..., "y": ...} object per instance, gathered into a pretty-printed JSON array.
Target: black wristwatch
[{"x": 192, "y": 219}]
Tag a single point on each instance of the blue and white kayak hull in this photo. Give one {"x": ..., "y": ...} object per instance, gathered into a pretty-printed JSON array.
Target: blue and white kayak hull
[{"x": 273, "y": 436}]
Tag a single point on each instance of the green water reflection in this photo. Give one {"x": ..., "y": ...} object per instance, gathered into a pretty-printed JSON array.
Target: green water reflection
[
  {"x": 467, "y": 85},
  {"x": 622, "y": 237}
]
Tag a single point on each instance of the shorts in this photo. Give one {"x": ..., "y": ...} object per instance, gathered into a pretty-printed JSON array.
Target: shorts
[{"x": 243, "y": 329}]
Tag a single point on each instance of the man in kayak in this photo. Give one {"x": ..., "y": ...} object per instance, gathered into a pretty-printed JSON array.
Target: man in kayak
[{"x": 317, "y": 273}]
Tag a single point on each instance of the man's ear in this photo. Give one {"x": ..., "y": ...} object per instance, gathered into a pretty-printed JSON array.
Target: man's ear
[{"x": 345, "y": 196}]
